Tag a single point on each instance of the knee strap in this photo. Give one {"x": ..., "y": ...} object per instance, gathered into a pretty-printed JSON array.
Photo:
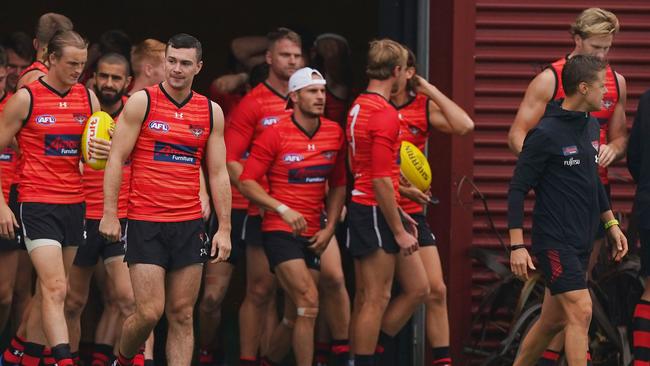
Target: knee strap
[{"x": 307, "y": 312}]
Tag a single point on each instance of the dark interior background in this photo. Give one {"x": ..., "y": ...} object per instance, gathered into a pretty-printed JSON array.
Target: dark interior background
[{"x": 215, "y": 23}]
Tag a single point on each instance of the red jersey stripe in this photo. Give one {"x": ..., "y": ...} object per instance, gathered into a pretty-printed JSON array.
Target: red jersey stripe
[
  {"x": 298, "y": 166},
  {"x": 415, "y": 129},
  {"x": 50, "y": 145},
  {"x": 36, "y": 65},
  {"x": 363, "y": 131},
  {"x": 167, "y": 157},
  {"x": 8, "y": 159},
  {"x": 260, "y": 108},
  {"x": 93, "y": 181}
]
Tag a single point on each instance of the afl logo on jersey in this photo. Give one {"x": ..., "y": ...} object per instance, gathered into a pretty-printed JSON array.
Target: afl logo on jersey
[
  {"x": 45, "y": 119},
  {"x": 159, "y": 126},
  {"x": 269, "y": 121},
  {"x": 292, "y": 158},
  {"x": 197, "y": 130}
]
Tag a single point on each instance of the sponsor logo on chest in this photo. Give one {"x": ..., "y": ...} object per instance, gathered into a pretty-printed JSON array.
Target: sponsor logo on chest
[
  {"x": 310, "y": 174},
  {"x": 62, "y": 145},
  {"x": 174, "y": 153},
  {"x": 572, "y": 162}
]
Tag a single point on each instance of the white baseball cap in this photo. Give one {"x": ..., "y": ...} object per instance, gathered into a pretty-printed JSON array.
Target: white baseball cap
[{"x": 304, "y": 78}]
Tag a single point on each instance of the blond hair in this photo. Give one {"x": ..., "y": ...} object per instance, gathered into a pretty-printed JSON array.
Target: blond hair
[
  {"x": 595, "y": 22},
  {"x": 62, "y": 39},
  {"x": 150, "y": 50},
  {"x": 384, "y": 55},
  {"x": 49, "y": 24}
]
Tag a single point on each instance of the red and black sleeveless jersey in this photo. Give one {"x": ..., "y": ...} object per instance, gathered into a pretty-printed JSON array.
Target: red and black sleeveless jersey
[
  {"x": 298, "y": 166},
  {"x": 94, "y": 186},
  {"x": 414, "y": 128},
  {"x": 335, "y": 108},
  {"x": 372, "y": 120},
  {"x": 167, "y": 157},
  {"x": 259, "y": 109},
  {"x": 8, "y": 159},
  {"x": 609, "y": 103},
  {"x": 36, "y": 65},
  {"x": 48, "y": 170}
]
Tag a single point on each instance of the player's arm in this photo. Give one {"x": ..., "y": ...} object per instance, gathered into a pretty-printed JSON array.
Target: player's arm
[
  {"x": 530, "y": 167},
  {"x": 617, "y": 134},
  {"x": 384, "y": 131},
  {"x": 124, "y": 139},
  {"x": 219, "y": 184},
  {"x": 239, "y": 133},
  {"x": 532, "y": 107},
  {"x": 11, "y": 121},
  {"x": 29, "y": 78},
  {"x": 443, "y": 114},
  {"x": 249, "y": 50},
  {"x": 204, "y": 196}
]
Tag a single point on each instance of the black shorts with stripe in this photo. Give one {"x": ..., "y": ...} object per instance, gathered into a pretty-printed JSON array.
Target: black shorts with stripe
[
  {"x": 564, "y": 269},
  {"x": 368, "y": 231}
]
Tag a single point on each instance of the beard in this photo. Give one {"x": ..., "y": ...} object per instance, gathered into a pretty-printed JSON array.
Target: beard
[{"x": 107, "y": 99}]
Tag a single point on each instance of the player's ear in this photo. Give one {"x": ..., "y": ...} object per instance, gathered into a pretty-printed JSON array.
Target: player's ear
[{"x": 199, "y": 66}]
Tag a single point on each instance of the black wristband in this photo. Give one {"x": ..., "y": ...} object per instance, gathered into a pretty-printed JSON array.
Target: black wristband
[{"x": 517, "y": 246}]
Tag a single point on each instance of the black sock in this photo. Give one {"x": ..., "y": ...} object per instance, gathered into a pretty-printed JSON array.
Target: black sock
[
  {"x": 440, "y": 356},
  {"x": 33, "y": 354},
  {"x": 341, "y": 351},
  {"x": 62, "y": 355},
  {"x": 382, "y": 343},
  {"x": 549, "y": 358},
  {"x": 364, "y": 360},
  {"x": 641, "y": 331}
]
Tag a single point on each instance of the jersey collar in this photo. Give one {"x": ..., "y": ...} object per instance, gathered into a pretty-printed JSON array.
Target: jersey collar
[
  {"x": 293, "y": 119},
  {"x": 174, "y": 102},
  {"x": 50, "y": 88}
]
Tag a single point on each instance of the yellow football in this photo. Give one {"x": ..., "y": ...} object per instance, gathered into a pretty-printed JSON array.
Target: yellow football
[
  {"x": 414, "y": 166},
  {"x": 97, "y": 126}
]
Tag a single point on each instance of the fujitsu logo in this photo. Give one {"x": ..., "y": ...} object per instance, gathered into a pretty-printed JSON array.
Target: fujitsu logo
[{"x": 572, "y": 162}]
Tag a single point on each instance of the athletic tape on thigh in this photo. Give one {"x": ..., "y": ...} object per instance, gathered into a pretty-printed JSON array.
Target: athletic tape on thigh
[
  {"x": 33, "y": 244},
  {"x": 307, "y": 312}
]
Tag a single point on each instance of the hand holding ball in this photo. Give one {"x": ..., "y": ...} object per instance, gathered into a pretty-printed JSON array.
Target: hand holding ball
[{"x": 98, "y": 127}]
